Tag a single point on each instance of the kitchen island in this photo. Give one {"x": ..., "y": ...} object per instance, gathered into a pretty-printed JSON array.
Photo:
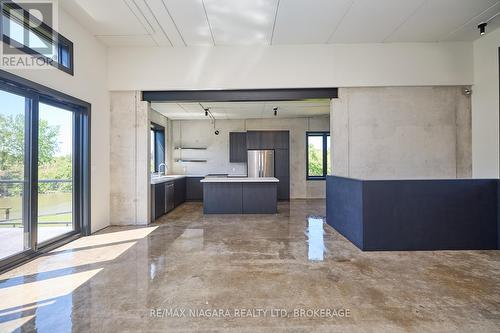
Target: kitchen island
[{"x": 240, "y": 195}]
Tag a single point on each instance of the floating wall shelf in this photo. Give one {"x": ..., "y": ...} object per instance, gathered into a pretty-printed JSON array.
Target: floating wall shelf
[
  {"x": 190, "y": 148},
  {"x": 190, "y": 161}
]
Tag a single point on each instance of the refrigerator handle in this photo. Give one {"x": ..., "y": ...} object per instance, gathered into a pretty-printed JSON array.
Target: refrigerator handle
[{"x": 261, "y": 166}]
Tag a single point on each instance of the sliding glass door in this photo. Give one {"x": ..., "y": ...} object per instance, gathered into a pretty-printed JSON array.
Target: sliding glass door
[
  {"x": 44, "y": 169},
  {"x": 55, "y": 172},
  {"x": 14, "y": 223}
]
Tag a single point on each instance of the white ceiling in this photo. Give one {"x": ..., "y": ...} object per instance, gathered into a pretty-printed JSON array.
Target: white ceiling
[
  {"x": 270, "y": 22},
  {"x": 244, "y": 110}
]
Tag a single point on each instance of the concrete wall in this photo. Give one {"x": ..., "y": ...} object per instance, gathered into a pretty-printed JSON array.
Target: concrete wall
[
  {"x": 129, "y": 165},
  {"x": 485, "y": 97},
  {"x": 89, "y": 83},
  {"x": 288, "y": 66},
  {"x": 391, "y": 133},
  {"x": 201, "y": 133}
]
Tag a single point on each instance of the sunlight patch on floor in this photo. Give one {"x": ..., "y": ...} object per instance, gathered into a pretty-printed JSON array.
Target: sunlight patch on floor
[
  {"x": 39, "y": 291},
  {"x": 14, "y": 324},
  {"x": 107, "y": 238}
]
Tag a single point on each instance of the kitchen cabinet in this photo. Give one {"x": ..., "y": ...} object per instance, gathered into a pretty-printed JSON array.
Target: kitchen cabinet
[
  {"x": 194, "y": 189},
  {"x": 283, "y": 188},
  {"x": 237, "y": 147},
  {"x": 159, "y": 200},
  {"x": 253, "y": 140},
  {"x": 165, "y": 196},
  {"x": 169, "y": 196},
  {"x": 268, "y": 139},
  {"x": 280, "y": 142},
  {"x": 179, "y": 191},
  {"x": 282, "y": 162},
  {"x": 281, "y": 139}
]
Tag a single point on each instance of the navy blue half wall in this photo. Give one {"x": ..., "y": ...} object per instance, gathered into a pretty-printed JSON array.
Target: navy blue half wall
[{"x": 400, "y": 215}]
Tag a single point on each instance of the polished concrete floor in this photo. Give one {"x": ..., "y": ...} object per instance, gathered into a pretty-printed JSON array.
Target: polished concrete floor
[{"x": 276, "y": 273}]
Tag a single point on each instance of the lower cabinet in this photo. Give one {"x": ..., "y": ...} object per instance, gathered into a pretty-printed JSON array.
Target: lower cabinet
[
  {"x": 194, "y": 189},
  {"x": 166, "y": 196},
  {"x": 284, "y": 188},
  {"x": 159, "y": 200},
  {"x": 169, "y": 197},
  {"x": 179, "y": 191}
]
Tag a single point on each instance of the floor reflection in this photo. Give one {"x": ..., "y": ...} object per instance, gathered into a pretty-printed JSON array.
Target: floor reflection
[{"x": 315, "y": 234}]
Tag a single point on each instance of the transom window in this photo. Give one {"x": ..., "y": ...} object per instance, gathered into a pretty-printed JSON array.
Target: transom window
[{"x": 25, "y": 34}]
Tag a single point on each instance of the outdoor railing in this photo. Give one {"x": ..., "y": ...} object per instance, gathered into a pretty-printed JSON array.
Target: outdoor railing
[{"x": 5, "y": 219}]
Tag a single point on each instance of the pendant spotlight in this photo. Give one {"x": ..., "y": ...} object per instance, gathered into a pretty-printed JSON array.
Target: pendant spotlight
[
  {"x": 211, "y": 117},
  {"x": 482, "y": 26}
]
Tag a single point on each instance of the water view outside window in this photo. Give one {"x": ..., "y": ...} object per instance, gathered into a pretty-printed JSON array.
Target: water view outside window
[
  {"x": 55, "y": 172},
  {"x": 14, "y": 237}
]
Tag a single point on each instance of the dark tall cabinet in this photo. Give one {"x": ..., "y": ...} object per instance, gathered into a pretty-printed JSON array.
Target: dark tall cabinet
[
  {"x": 280, "y": 142},
  {"x": 237, "y": 147}
]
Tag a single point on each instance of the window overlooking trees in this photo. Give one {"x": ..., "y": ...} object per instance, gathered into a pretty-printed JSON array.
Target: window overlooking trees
[
  {"x": 44, "y": 168},
  {"x": 318, "y": 162}
]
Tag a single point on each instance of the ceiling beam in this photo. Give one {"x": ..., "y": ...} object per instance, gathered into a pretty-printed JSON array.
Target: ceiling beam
[{"x": 255, "y": 95}]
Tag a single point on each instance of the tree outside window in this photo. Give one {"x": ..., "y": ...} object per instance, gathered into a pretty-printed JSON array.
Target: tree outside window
[{"x": 318, "y": 155}]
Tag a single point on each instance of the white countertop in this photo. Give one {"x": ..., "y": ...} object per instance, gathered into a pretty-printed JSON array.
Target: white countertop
[
  {"x": 163, "y": 179},
  {"x": 240, "y": 180}
]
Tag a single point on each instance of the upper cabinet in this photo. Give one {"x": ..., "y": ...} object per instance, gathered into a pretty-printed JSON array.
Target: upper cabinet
[
  {"x": 281, "y": 139},
  {"x": 237, "y": 147},
  {"x": 268, "y": 139}
]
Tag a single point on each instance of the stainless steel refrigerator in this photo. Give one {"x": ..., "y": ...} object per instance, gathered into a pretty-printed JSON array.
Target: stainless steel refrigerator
[{"x": 260, "y": 163}]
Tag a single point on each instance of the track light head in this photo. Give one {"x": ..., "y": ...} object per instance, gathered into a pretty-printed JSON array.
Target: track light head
[
  {"x": 206, "y": 112},
  {"x": 275, "y": 109},
  {"x": 482, "y": 28}
]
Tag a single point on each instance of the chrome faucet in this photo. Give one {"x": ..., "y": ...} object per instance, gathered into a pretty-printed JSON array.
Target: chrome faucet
[{"x": 164, "y": 168}]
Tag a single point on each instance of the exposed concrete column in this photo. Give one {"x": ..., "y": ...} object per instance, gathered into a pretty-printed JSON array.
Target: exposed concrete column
[
  {"x": 339, "y": 134},
  {"x": 129, "y": 159}
]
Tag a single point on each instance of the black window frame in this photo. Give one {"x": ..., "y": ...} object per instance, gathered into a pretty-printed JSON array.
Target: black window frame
[
  {"x": 43, "y": 31},
  {"x": 324, "y": 135},
  {"x": 160, "y": 150},
  {"x": 35, "y": 94}
]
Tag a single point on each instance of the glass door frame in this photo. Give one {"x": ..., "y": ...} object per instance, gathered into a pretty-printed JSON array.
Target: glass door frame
[{"x": 34, "y": 94}]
